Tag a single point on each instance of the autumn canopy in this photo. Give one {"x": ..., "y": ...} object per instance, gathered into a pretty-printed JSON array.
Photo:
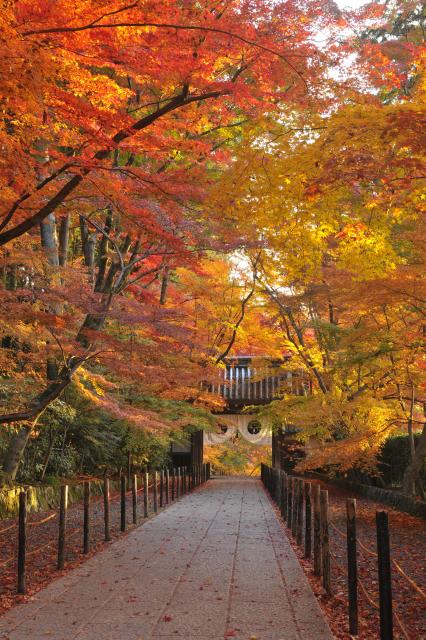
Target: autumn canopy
[{"x": 182, "y": 181}]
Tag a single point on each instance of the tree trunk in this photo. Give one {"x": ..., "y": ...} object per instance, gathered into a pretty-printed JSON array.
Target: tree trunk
[
  {"x": 164, "y": 285},
  {"x": 412, "y": 472},
  {"x": 14, "y": 453},
  {"x": 18, "y": 442},
  {"x": 64, "y": 236},
  {"x": 103, "y": 252},
  {"x": 49, "y": 240}
]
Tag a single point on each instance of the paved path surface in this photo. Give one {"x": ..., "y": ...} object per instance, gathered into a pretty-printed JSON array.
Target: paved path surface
[{"x": 214, "y": 565}]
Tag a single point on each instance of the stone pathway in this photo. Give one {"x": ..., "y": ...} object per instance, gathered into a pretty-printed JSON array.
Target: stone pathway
[{"x": 216, "y": 564}]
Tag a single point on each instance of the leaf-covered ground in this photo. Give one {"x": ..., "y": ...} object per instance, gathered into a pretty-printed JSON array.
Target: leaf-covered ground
[
  {"x": 42, "y": 545},
  {"x": 408, "y": 545}
]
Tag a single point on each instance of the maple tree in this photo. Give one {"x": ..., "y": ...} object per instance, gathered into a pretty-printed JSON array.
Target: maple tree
[
  {"x": 338, "y": 201},
  {"x": 187, "y": 180},
  {"x": 122, "y": 117}
]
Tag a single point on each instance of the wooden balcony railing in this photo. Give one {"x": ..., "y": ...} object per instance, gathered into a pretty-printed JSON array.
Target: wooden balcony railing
[{"x": 246, "y": 383}]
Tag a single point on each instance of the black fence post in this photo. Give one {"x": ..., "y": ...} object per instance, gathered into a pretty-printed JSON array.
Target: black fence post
[
  {"x": 63, "y": 506},
  {"x": 308, "y": 520},
  {"x": 278, "y": 487},
  {"x": 134, "y": 498},
  {"x": 145, "y": 494},
  {"x": 86, "y": 518},
  {"x": 284, "y": 496},
  {"x": 161, "y": 488},
  {"x": 294, "y": 508},
  {"x": 123, "y": 503},
  {"x": 317, "y": 530},
  {"x": 299, "y": 524},
  {"x": 352, "y": 566},
  {"x": 173, "y": 483},
  {"x": 155, "y": 491},
  {"x": 107, "y": 532},
  {"x": 325, "y": 543},
  {"x": 167, "y": 486},
  {"x": 22, "y": 541},
  {"x": 289, "y": 501},
  {"x": 385, "y": 581},
  {"x": 178, "y": 482}
]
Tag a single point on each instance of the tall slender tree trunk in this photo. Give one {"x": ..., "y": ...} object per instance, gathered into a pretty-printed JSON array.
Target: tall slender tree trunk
[
  {"x": 49, "y": 242},
  {"x": 164, "y": 285},
  {"x": 64, "y": 238},
  {"x": 49, "y": 239},
  {"x": 14, "y": 453}
]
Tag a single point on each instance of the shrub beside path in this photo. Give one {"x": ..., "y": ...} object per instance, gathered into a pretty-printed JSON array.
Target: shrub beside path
[{"x": 216, "y": 564}]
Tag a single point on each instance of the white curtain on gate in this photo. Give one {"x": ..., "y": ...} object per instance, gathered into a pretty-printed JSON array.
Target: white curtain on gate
[
  {"x": 219, "y": 437},
  {"x": 255, "y": 430}
]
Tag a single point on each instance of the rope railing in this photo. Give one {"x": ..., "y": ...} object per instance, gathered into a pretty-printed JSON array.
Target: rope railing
[
  {"x": 12, "y": 526},
  {"x": 35, "y": 523},
  {"x": 393, "y": 561},
  {"x": 158, "y": 491},
  {"x": 295, "y": 497}
]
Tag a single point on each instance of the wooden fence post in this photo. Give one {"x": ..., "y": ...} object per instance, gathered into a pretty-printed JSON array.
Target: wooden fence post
[
  {"x": 317, "y": 530},
  {"x": 145, "y": 494},
  {"x": 289, "y": 501},
  {"x": 155, "y": 491},
  {"x": 107, "y": 532},
  {"x": 294, "y": 506},
  {"x": 86, "y": 519},
  {"x": 123, "y": 502},
  {"x": 278, "y": 487},
  {"x": 299, "y": 528},
  {"x": 167, "y": 486},
  {"x": 325, "y": 543},
  {"x": 385, "y": 578},
  {"x": 177, "y": 482},
  {"x": 63, "y": 507},
  {"x": 173, "y": 483},
  {"x": 284, "y": 496},
  {"x": 135, "y": 498},
  {"x": 22, "y": 541},
  {"x": 161, "y": 488},
  {"x": 308, "y": 520},
  {"x": 352, "y": 566},
  {"x": 129, "y": 469}
]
